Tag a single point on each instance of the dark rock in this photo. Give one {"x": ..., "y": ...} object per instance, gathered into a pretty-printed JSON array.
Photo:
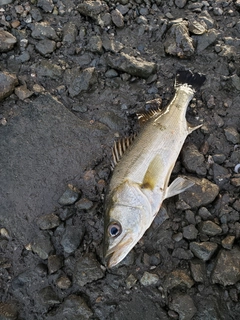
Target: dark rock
[
  {"x": 48, "y": 221},
  {"x": 232, "y": 135},
  {"x": 183, "y": 304},
  {"x": 210, "y": 228},
  {"x": 72, "y": 238},
  {"x": 149, "y": 279},
  {"x": 227, "y": 267},
  {"x": 177, "y": 278},
  {"x": 46, "y": 5},
  {"x": 42, "y": 246},
  {"x": 117, "y": 18},
  {"x": 87, "y": 269},
  {"x": 54, "y": 263},
  {"x": 190, "y": 217},
  {"x": 82, "y": 80},
  {"x": 70, "y": 32},
  {"x": 42, "y": 31},
  {"x": 197, "y": 27},
  {"x": 198, "y": 270},
  {"x": 66, "y": 213},
  {"x": 203, "y": 250},
  {"x": 63, "y": 282},
  {"x": 8, "y": 311},
  {"x": 221, "y": 175},
  {"x": 48, "y": 69},
  {"x": 178, "y": 42},
  {"x": 129, "y": 64},
  {"x": 7, "y": 84},
  {"x": 7, "y": 41},
  {"x": 190, "y": 232},
  {"x": 110, "y": 44},
  {"x": 182, "y": 253},
  {"x": 219, "y": 158},
  {"x": 70, "y": 196},
  {"x": 44, "y": 47},
  {"x": 22, "y": 92},
  {"x": 94, "y": 10},
  {"x": 180, "y": 3},
  {"x": 193, "y": 160},
  {"x": 227, "y": 242},
  {"x": 201, "y": 194},
  {"x": 95, "y": 44},
  {"x": 204, "y": 213},
  {"x": 36, "y": 14},
  {"x": 84, "y": 204},
  {"x": 206, "y": 39},
  {"x": 48, "y": 296}
]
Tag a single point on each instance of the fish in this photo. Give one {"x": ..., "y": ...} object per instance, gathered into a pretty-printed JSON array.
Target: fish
[{"x": 142, "y": 169}]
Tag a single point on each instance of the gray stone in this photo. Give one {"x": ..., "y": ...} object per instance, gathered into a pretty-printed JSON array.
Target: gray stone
[
  {"x": 198, "y": 270},
  {"x": 42, "y": 31},
  {"x": 54, "y": 263},
  {"x": 45, "y": 47},
  {"x": 70, "y": 196},
  {"x": 232, "y": 135},
  {"x": 82, "y": 80},
  {"x": 190, "y": 217},
  {"x": 227, "y": 268},
  {"x": 123, "y": 8},
  {"x": 4, "y": 2},
  {"x": 177, "y": 278},
  {"x": 48, "y": 297},
  {"x": 46, "y": 5},
  {"x": 8, "y": 310},
  {"x": 42, "y": 246},
  {"x": 72, "y": 238},
  {"x": 149, "y": 279},
  {"x": 95, "y": 44},
  {"x": 197, "y": 27},
  {"x": 190, "y": 232},
  {"x": 219, "y": 158},
  {"x": 7, "y": 84},
  {"x": 129, "y": 64},
  {"x": 180, "y": 3},
  {"x": 183, "y": 304},
  {"x": 87, "y": 269},
  {"x": 204, "y": 213},
  {"x": 36, "y": 14},
  {"x": 130, "y": 281},
  {"x": 117, "y": 18},
  {"x": 48, "y": 69},
  {"x": 193, "y": 160},
  {"x": 203, "y": 250},
  {"x": 69, "y": 32},
  {"x": 111, "y": 73},
  {"x": 201, "y": 194},
  {"x": 206, "y": 39},
  {"x": 84, "y": 204},
  {"x": 221, "y": 175},
  {"x": 228, "y": 241},
  {"x": 210, "y": 228},
  {"x": 48, "y": 221},
  {"x": 178, "y": 42},
  {"x": 93, "y": 9},
  {"x": 22, "y": 92},
  {"x": 110, "y": 44},
  {"x": 63, "y": 282},
  {"x": 7, "y": 41},
  {"x": 182, "y": 253}
]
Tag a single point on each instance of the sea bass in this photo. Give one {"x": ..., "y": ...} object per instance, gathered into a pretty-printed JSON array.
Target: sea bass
[{"x": 143, "y": 167}]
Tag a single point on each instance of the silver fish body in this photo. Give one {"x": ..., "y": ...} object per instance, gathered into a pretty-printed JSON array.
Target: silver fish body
[{"x": 139, "y": 183}]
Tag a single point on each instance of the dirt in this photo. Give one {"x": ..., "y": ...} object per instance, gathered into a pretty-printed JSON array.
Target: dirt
[{"x": 73, "y": 75}]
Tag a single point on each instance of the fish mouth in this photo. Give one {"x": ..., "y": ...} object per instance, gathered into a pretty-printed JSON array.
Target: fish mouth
[{"x": 119, "y": 251}]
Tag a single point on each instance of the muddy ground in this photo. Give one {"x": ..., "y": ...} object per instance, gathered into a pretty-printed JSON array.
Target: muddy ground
[{"x": 73, "y": 75}]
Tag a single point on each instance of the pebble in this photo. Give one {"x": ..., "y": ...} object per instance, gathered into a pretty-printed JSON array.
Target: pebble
[
  {"x": 182, "y": 253},
  {"x": 198, "y": 270},
  {"x": 42, "y": 31},
  {"x": 82, "y": 80},
  {"x": 210, "y": 228},
  {"x": 206, "y": 39},
  {"x": 54, "y": 263},
  {"x": 135, "y": 66},
  {"x": 48, "y": 297},
  {"x": 221, "y": 175},
  {"x": 63, "y": 282},
  {"x": 117, "y": 18},
  {"x": 190, "y": 232},
  {"x": 45, "y": 47},
  {"x": 87, "y": 269},
  {"x": 7, "y": 84},
  {"x": 70, "y": 196},
  {"x": 227, "y": 242},
  {"x": 42, "y": 246},
  {"x": 149, "y": 279},
  {"x": 111, "y": 44},
  {"x": 84, "y": 204},
  {"x": 183, "y": 304},
  {"x": 46, "y": 5},
  {"x": 48, "y": 221},
  {"x": 130, "y": 281},
  {"x": 70, "y": 32},
  {"x": 177, "y": 278},
  {"x": 203, "y": 250},
  {"x": 219, "y": 158},
  {"x": 72, "y": 238},
  {"x": 95, "y": 44},
  {"x": 201, "y": 194},
  {"x": 22, "y": 92},
  {"x": 7, "y": 41},
  {"x": 36, "y": 14},
  {"x": 93, "y": 9},
  {"x": 232, "y": 135},
  {"x": 197, "y": 27},
  {"x": 193, "y": 160},
  {"x": 8, "y": 311},
  {"x": 48, "y": 69},
  {"x": 180, "y": 3},
  {"x": 227, "y": 268},
  {"x": 204, "y": 213}
]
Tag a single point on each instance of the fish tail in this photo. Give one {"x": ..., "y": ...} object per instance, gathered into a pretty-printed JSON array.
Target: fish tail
[{"x": 187, "y": 77}]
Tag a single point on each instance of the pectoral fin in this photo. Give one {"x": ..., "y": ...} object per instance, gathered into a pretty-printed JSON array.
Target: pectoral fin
[
  {"x": 153, "y": 173},
  {"x": 179, "y": 185}
]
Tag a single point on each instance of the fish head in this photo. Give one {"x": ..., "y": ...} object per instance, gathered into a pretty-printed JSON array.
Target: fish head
[{"x": 128, "y": 214}]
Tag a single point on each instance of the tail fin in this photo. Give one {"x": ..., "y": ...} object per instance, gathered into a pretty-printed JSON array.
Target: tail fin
[{"x": 194, "y": 80}]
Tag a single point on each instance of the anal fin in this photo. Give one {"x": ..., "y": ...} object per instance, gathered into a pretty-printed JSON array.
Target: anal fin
[{"x": 178, "y": 185}]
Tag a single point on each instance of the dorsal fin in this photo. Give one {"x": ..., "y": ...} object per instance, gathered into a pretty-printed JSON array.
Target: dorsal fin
[
  {"x": 119, "y": 148},
  {"x": 153, "y": 107}
]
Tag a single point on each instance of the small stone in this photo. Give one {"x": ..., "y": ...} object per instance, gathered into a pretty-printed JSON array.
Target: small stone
[
  {"x": 93, "y": 9},
  {"x": 227, "y": 268},
  {"x": 7, "y": 84},
  {"x": 69, "y": 32},
  {"x": 210, "y": 228},
  {"x": 46, "y": 5},
  {"x": 95, "y": 44},
  {"x": 219, "y": 158},
  {"x": 203, "y": 250},
  {"x": 111, "y": 44},
  {"x": 117, "y": 18},
  {"x": 130, "y": 281},
  {"x": 177, "y": 237},
  {"x": 82, "y": 81},
  {"x": 182, "y": 253},
  {"x": 190, "y": 232},
  {"x": 149, "y": 279},
  {"x": 228, "y": 241},
  {"x": 221, "y": 175},
  {"x": 87, "y": 269},
  {"x": 180, "y": 3},
  {"x": 48, "y": 69},
  {"x": 198, "y": 270},
  {"x": 111, "y": 73},
  {"x": 36, "y": 14},
  {"x": 7, "y": 41},
  {"x": 42, "y": 246},
  {"x": 48, "y": 221},
  {"x": 48, "y": 297},
  {"x": 193, "y": 160},
  {"x": 204, "y": 213},
  {"x": 72, "y": 238},
  {"x": 183, "y": 304},
  {"x": 206, "y": 39},
  {"x": 42, "y": 31},
  {"x": 232, "y": 135},
  {"x": 70, "y": 196},
  {"x": 54, "y": 263},
  {"x": 22, "y": 92},
  {"x": 84, "y": 204},
  {"x": 178, "y": 278},
  {"x": 8, "y": 311},
  {"x": 197, "y": 27},
  {"x": 45, "y": 47},
  {"x": 63, "y": 282}
]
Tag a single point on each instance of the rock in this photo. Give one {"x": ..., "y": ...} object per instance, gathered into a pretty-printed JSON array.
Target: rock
[
  {"x": 87, "y": 269},
  {"x": 149, "y": 279},
  {"x": 48, "y": 297},
  {"x": 210, "y": 228},
  {"x": 93, "y": 9},
  {"x": 190, "y": 232},
  {"x": 198, "y": 270},
  {"x": 178, "y": 42},
  {"x": 228, "y": 241},
  {"x": 48, "y": 69},
  {"x": 46, "y": 5},
  {"x": 70, "y": 196},
  {"x": 42, "y": 246},
  {"x": 193, "y": 160},
  {"x": 183, "y": 304},
  {"x": 8, "y": 311},
  {"x": 72, "y": 238},
  {"x": 63, "y": 282},
  {"x": 221, "y": 175},
  {"x": 44, "y": 47},
  {"x": 36, "y": 14},
  {"x": 135, "y": 66},
  {"x": 206, "y": 39},
  {"x": 180, "y": 3},
  {"x": 227, "y": 267},
  {"x": 7, "y": 84},
  {"x": 197, "y": 27},
  {"x": 190, "y": 217},
  {"x": 203, "y": 250},
  {"x": 7, "y": 41},
  {"x": 182, "y": 253},
  {"x": 117, "y": 18},
  {"x": 177, "y": 278},
  {"x": 84, "y": 204},
  {"x": 70, "y": 32},
  {"x": 204, "y": 213},
  {"x": 232, "y": 135},
  {"x": 54, "y": 263},
  {"x": 95, "y": 44},
  {"x": 130, "y": 281},
  {"x": 48, "y": 221},
  {"x": 22, "y": 92},
  {"x": 42, "y": 31},
  {"x": 82, "y": 80},
  {"x": 3, "y": 2},
  {"x": 201, "y": 194},
  {"x": 111, "y": 44}
]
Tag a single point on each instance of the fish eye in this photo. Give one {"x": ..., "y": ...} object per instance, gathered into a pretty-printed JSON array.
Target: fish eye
[{"x": 114, "y": 229}]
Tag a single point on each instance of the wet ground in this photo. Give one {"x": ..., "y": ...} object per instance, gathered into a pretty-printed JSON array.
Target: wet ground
[{"x": 73, "y": 75}]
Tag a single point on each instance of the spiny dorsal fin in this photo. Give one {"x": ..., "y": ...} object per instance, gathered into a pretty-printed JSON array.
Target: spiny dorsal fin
[
  {"x": 153, "y": 108},
  {"x": 119, "y": 148}
]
